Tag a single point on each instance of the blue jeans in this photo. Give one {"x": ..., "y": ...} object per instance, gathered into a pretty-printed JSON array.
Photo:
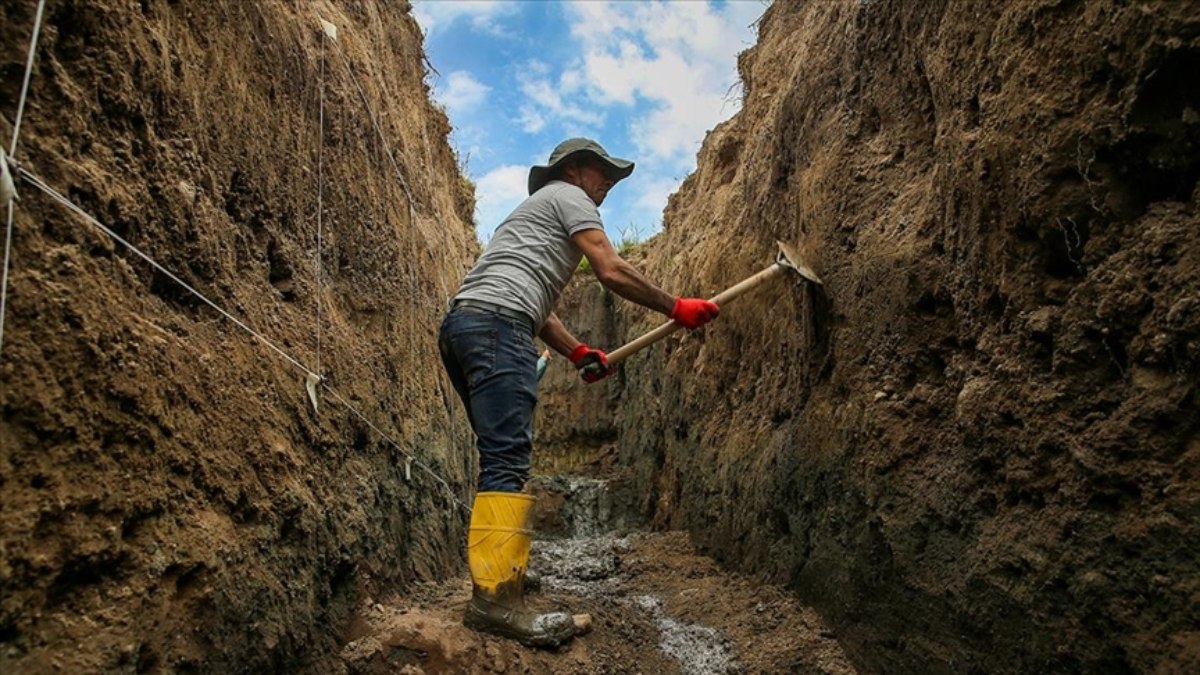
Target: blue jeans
[{"x": 492, "y": 363}]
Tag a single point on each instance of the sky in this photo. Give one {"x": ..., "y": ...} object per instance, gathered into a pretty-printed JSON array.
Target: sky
[{"x": 647, "y": 79}]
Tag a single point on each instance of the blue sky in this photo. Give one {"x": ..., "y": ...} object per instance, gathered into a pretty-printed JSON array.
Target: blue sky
[{"x": 647, "y": 79}]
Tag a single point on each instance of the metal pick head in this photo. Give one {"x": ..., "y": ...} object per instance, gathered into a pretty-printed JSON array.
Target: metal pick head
[{"x": 790, "y": 257}]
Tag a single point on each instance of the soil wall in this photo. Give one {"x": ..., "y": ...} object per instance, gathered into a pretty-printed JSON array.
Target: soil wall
[
  {"x": 575, "y": 427},
  {"x": 977, "y": 450},
  {"x": 170, "y": 499}
]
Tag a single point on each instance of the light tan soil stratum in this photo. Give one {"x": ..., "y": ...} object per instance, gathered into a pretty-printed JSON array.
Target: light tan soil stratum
[{"x": 656, "y": 606}]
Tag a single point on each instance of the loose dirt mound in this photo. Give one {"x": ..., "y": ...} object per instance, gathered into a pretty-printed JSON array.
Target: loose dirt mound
[
  {"x": 170, "y": 498},
  {"x": 979, "y": 452}
]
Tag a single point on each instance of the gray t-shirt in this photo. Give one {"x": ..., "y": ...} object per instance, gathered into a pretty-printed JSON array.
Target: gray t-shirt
[{"x": 531, "y": 256}]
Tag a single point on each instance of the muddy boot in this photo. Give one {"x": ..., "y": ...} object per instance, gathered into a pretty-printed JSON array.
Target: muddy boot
[{"x": 498, "y": 553}]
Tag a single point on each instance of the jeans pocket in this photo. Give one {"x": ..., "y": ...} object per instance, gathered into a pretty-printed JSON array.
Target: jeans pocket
[
  {"x": 523, "y": 338},
  {"x": 475, "y": 351}
]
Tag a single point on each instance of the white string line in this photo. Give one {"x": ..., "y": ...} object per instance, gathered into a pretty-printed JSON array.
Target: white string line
[
  {"x": 419, "y": 463},
  {"x": 412, "y": 222},
  {"x": 320, "y": 187},
  {"x": 386, "y": 148},
  {"x": 37, "y": 182},
  {"x": 413, "y": 225},
  {"x": 37, "y": 29},
  {"x": 395, "y": 166},
  {"x": 4, "y": 284},
  {"x": 8, "y": 229},
  {"x": 403, "y": 184},
  {"x": 71, "y": 206}
]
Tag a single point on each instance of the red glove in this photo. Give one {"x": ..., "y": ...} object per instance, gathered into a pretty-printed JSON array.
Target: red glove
[
  {"x": 592, "y": 363},
  {"x": 694, "y": 312}
]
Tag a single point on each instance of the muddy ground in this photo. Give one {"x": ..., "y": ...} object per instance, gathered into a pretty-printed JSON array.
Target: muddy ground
[{"x": 657, "y": 607}]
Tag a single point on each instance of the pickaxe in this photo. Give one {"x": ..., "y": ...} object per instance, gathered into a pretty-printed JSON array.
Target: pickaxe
[{"x": 788, "y": 258}]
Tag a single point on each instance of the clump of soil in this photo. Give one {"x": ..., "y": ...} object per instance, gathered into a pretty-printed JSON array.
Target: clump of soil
[
  {"x": 976, "y": 448},
  {"x": 171, "y": 500}
]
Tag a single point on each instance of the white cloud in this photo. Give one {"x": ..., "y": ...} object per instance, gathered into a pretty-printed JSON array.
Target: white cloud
[
  {"x": 497, "y": 193},
  {"x": 598, "y": 18},
  {"x": 531, "y": 120},
  {"x": 461, "y": 93},
  {"x": 653, "y": 192},
  {"x": 646, "y": 78},
  {"x": 547, "y": 100},
  {"x": 615, "y": 78},
  {"x": 484, "y": 15},
  {"x": 538, "y": 67},
  {"x": 679, "y": 58}
]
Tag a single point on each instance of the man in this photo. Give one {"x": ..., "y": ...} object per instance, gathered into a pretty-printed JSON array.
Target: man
[{"x": 486, "y": 344}]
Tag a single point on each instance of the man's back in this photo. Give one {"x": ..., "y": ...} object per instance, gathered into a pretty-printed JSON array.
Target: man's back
[{"x": 531, "y": 256}]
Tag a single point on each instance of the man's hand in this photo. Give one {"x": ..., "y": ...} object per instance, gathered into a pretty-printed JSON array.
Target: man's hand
[
  {"x": 592, "y": 363},
  {"x": 694, "y": 312}
]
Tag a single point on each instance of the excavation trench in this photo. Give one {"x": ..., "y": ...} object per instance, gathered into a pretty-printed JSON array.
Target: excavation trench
[
  {"x": 980, "y": 455},
  {"x": 657, "y": 605}
]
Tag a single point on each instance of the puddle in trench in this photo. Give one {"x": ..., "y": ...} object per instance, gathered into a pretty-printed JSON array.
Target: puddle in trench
[
  {"x": 697, "y": 649},
  {"x": 586, "y": 562}
]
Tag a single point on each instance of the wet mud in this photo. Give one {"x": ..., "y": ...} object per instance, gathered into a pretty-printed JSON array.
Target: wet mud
[{"x": 656, "y": 606}]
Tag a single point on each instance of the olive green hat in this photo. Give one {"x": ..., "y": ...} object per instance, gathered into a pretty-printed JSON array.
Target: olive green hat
[{"x": 538, "y": 175}]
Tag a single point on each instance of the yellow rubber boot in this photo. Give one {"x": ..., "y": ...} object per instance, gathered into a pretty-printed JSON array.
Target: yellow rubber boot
[{"x": 498, "y": 553}]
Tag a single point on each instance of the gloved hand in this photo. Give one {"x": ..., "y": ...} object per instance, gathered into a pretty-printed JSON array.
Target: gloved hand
[
  {"x": 592, "y": 363},
  {"x": 694, "y": 312}
]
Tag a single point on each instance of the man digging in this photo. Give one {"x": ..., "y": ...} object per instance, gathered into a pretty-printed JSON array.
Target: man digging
[{"x": 486, "y": 345}]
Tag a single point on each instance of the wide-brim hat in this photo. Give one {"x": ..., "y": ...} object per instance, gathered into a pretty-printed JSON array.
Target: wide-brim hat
[{"x": 618, "y": 168}]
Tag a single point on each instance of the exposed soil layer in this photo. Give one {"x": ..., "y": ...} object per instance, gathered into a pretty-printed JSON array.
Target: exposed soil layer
[
  {"x": 171, "y": 501},
  {"x": 978, "y": 449}
]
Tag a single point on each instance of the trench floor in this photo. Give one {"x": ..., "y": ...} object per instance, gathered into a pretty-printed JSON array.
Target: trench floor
[{"x": 656, "y": 605}]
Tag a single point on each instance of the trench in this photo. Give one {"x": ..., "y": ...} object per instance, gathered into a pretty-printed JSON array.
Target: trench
[{"x": 978, "y": 454}]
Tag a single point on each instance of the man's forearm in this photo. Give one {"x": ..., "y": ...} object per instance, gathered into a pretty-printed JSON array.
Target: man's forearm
[
  {"x": 628, "y": 283},
  {"x": 556, "y": 335}
]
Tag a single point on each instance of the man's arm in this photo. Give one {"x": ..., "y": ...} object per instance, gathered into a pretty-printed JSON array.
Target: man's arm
[
  {"x": 556, "y": 335},
  {"x": 592, "y": 363},
  {"x": 619, "y": 276}
]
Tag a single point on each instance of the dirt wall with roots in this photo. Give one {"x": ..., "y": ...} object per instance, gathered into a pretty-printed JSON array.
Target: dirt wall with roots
[
  {"x": 978, "y": 450},
  {"x": 170, "y": 500}
]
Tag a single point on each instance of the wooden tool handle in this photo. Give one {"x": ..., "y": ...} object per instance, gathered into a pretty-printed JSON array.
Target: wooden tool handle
[{"x": 669, "y": 327}]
